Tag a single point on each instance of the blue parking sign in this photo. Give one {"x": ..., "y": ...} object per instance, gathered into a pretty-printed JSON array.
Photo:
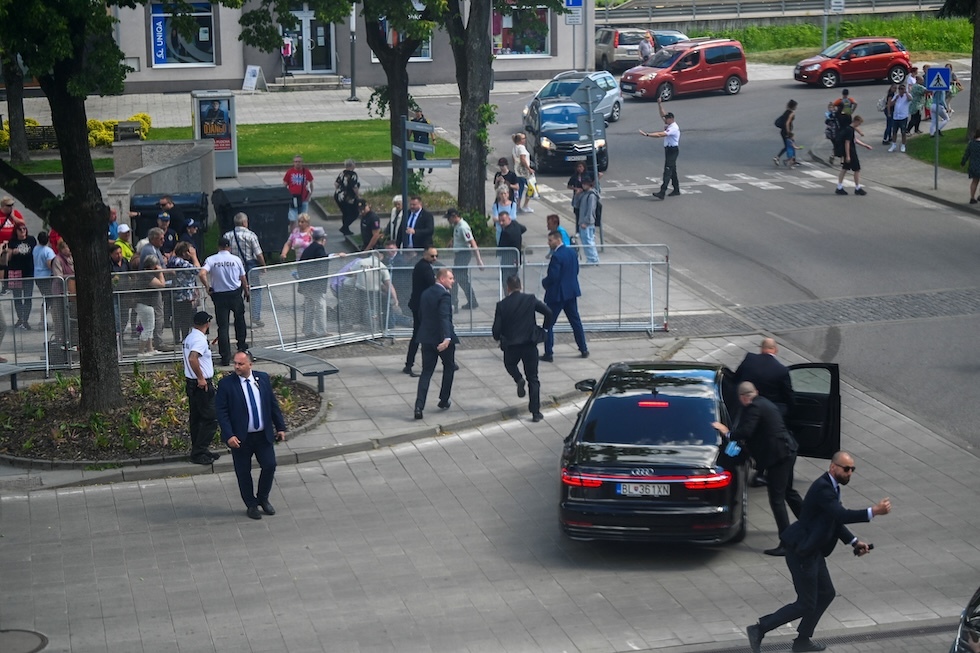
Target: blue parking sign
[
  {"x": 571, "y": 4},
  {"x": 938, "y": 79}
]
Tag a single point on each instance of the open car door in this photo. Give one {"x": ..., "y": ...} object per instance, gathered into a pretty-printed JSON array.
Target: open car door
[{"x": 815, "y": 419}]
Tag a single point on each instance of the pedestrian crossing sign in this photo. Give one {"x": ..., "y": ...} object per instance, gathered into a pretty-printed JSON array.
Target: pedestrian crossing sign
[{"x": 938, "y": 79}]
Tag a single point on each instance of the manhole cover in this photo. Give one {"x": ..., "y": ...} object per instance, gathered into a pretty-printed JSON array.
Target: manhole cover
[{"x": 21, "y": 641}]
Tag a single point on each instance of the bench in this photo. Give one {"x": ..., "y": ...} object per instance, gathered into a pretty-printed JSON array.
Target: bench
[
  {"x": 11, "y": 370},
  {"x": 297, "y": 362},
  {"x": 41, "y": 137},
  {"x": 127, "y": 130}
]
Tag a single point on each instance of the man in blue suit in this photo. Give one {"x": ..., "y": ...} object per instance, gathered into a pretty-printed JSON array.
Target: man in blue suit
[
  {"x": 561, "y": 293},
  {"x": 250, "y": 421},
  {"x": 808, "y": 542},
  {"x": 437, "y": 336}
]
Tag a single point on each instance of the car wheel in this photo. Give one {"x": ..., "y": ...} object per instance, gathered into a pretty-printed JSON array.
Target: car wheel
[
  {"x": 829, "y": 79},
  {"x": 743, "y": 524},
  {"x": 897, "y": 74},
  {"x": 733, "y": 85},
  {"x": 617, "y": 112},
  {"x": 666, "y": 92},
  {"x": 605, "y": 63}
]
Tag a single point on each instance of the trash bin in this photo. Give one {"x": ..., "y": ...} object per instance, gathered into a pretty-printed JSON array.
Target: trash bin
[
  {"x": 267, "y": 208},
  {"x": 192, "y": 205}
]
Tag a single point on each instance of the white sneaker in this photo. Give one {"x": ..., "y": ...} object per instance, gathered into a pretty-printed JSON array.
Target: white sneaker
[
  {"x": 903, "y": 148},
  {"x": 892, "y": 148}
]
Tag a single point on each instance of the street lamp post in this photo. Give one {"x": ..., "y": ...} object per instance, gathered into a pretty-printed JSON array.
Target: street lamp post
[{"x": 353, "y": 43}]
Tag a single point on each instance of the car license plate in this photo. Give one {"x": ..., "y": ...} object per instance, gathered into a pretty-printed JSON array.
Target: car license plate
[
  {"x": 576, "y": 157},
  {"x": 643, "y": 489},
  {"x": 627, "y": 88}
]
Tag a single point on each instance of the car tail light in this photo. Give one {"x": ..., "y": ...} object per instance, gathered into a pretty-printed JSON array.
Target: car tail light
[
  {"x": 653, "y": 404},
  {"x": 576, "y": 480},
  {"x": 713, "y": 482},
  {"x": 616, "y": 39}
]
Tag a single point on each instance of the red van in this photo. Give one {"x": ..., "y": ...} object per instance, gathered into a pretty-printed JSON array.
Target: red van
[{"x": 691, "y": 66}]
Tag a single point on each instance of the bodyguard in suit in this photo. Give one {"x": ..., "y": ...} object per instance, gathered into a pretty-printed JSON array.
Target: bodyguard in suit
[
  {"x": 423, "y": 278},
  {"x": 808, "y": 542},
  {"x": 760, "y": 425},
  {"x": 515, "y": 327},
  {"x": 769, "y": 376},
  {"x": 250, "y": 420},
  {"x": 561, "y": 293},
  {"x": 416, "y": 230},
  {"x": 438, "y": 339}
]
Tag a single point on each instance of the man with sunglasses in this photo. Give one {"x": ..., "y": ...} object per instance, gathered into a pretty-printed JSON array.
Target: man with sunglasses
[
  {"x": 808, "y": 542},
  {"x": 423, "y": 278}
]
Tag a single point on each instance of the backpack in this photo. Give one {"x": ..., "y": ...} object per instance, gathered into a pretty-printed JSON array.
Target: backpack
[
  {"x": 598, "y": 208},
  {"x": 781, "y": 120},
  {"x": 832, "y": 129}
]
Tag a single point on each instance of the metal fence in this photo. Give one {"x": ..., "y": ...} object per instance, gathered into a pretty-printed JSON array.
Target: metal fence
[
  {"x": 642, "y": 12},
  {"x": 329, "y": 301}
]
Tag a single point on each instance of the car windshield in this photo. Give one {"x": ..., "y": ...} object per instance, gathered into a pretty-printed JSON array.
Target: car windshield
[
  {"x": 559, "y": 88},
  {"x": 651, "y": 419},
  {"x": 835, "y": 49},
  {"x": 561, "y": 118},
  {"x": 665, "y": 58},
  {"x": 631, "y": 38}
]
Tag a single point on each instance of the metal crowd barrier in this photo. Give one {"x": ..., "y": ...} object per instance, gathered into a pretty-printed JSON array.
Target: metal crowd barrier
[
  {"x": 647, "y": 12},
  {"x": 338, "y": 300}
]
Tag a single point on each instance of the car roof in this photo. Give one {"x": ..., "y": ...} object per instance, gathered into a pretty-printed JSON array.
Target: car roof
[
  {"x": 649, "y": 377},
  {"x": 701, "y": 41},
  {"x": 579, "y": 74},
  {"x": 666, "y": 31},
  {"x": 558, "y": 102},
  {"x": 862, "y": 39}
]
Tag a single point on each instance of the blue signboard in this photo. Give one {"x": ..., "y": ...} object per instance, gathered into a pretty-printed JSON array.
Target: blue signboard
[
  {"x": 571, "y": 4},
  {"x": 937, "y": 79}
]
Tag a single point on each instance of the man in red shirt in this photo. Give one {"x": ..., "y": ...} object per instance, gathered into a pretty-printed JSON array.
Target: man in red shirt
[
  {"x": 9, "y": 218},
  {"x": 299, "y": 181}
]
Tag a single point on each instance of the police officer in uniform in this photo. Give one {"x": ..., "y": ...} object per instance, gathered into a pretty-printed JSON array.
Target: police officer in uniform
[
  {"x": 198, "y": 375},
  {"x": 227, "y": 285}
]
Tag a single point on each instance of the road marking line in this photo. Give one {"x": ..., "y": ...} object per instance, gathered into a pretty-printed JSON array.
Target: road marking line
[
  {"x": 793, "y": 222},
  {"x": 765, "y": 185},
  {"x": 725, "y": 188}
]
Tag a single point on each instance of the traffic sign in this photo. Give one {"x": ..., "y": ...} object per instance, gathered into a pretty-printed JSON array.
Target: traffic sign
[
  {"x": 836, "y": 6},
  {"x": 938, "y": 79},
  {"x": 573, "y": 3}
]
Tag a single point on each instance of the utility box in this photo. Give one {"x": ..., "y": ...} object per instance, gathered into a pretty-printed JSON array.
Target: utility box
[
  {"x": 213, "y": 117},
  {"x": 194, "y": 206},
  {"x": 267, "y": 208}
]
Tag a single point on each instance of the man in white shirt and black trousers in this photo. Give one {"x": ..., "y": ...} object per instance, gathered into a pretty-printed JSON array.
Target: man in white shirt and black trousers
[
  {"x": 227, "y": 283},
  {"x": 671, "y": 134},
  {"x": 198, "y": 377}
]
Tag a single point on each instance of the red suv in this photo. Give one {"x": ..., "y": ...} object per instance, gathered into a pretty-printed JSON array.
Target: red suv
[
  {"x": 850, "y": 60},
  {"x": 691, "y": 66}
]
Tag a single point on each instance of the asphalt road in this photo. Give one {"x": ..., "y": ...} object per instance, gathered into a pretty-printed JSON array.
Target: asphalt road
[{"x": 747, "y": 234}]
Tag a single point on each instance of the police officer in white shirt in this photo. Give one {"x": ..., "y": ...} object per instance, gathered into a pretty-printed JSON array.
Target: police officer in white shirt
[
  {"x": 198, "y": 375},
  {"x": 672, "y": 137},
  {"x": 227, "y": 285}
]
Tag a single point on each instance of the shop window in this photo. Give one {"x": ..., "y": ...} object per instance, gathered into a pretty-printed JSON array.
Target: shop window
[
  {"x": 169, "y": 49},
  {"x": 394, "y": 37},
  {"x": 522, "y": 32}
]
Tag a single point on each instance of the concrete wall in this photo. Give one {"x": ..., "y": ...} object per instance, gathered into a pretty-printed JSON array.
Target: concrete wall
[{"x": 160, "y": 167}]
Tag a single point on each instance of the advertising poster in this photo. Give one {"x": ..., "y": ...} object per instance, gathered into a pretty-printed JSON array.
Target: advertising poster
[{"x": 215, "y": 123}]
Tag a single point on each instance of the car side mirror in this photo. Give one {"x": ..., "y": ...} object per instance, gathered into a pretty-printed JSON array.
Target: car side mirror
[{"x": 588, "y": 385}]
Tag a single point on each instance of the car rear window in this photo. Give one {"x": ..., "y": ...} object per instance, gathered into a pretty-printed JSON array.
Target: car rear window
[
  {"x": 631, "y": 38},
  {"x": 651, "y": 419}
]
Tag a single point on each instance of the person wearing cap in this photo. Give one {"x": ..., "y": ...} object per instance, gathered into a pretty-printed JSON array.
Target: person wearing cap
[
  {"x": 125, "y": 235},
  {"x": 465, "y": 247},
  {"x": 223, "y": 274},
  {"x": 192, "y": 235},
  {"x": 198, "y": 382},
  {"x": 314, "y": 290},
  {"x": 164, "y": 222},
  {"x": 671, "y": 134},
  {"x": 370, "y": 226}
]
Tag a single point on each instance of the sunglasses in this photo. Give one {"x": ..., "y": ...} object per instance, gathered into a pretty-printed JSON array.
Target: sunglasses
[{"x": 847, "y": 468}]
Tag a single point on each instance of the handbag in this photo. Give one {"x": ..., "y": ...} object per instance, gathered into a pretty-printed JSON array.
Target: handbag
[{"x": 540, "y": 334}]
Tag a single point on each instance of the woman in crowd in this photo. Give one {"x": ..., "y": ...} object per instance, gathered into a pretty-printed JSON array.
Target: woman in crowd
[
  {"x": 20, "y": 273},
  {"x": 299, "y": 239},
  {"x": 972, "y": 155},
  {"x": 503, "y": 203},
  {"x": 184, "y": 292},
  {"x": 148, "y": 300}
]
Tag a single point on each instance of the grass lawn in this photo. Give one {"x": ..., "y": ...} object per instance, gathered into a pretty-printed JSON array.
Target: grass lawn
[
  {"x": 951, "y": 148},
  {"x": 318, "y": 142},
  {"x": 53, "y": 166}
]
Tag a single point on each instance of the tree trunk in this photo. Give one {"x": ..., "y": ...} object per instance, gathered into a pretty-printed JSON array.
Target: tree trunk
[
  {"x": 82, "y": 220},
  {"x": 973, "y": 121},
  {"x": 394, "y": 61},
  {"x": 473, "y": 53},
  {"x": 14, "y": 78}
]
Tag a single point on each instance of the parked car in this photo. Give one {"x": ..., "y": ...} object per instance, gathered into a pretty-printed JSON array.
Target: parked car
[
  {"x": 619, "y": 48},
  {"x": 563, "y": 85},
  {"x": 851, "y": 60},
  {"x": 554, "y": 139},
  {"x": 642, "y": 461},
  {"x": 968, "y": 631},
  {"x": 691, "y": 66}
]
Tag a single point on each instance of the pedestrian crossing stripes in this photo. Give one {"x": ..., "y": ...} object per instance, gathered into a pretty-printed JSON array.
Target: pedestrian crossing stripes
[{"x": 696, "y": 184}]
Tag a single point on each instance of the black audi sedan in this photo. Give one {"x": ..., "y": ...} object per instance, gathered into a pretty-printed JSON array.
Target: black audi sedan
[
  {"x": 968, "y": 632},
  {"x": 644, "y": 463}
]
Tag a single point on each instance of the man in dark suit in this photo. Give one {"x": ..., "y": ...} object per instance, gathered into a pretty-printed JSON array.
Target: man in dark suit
[
  {"x": 438, "y": 339},
  {"x": 250, "y": 420},
  {"x": 760, "y": 425},
  {"x": 423, "y": 278},
  {"x": 561, "y": 293},
  {"x": 416, "y": 230},
  {"x": 808, "y": 542},
  {"x": 516, "y": 328},
  {"x": 772, "y": 380},
  {"x": 511, "y": 238}
]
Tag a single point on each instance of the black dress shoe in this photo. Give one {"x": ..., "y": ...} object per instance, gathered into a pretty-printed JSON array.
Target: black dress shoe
[
  {"x": 214, "y": 456},
  {"x": 418, "y": 413},
  {"x": 755, "y": 637},
  {"x": 759, "y": 481},
  {"x": 659, "y": 196},
  {"x": 537, "y": 417},
  {"x": 585, "y": 354},
  {"x": 469, "y": 307},
  {"x": 202, "y": 459},
  {"x": 253, "y": 512},
  {"x": 547, "y": 358},
  {"x": 674, "y": 194},
  {"x": 408, "y": 370},
  {"x": 778, "y": 551},
  {"x": 521, "y": 388},
  {"x": 267, "y": 507},
  {"x": 802, "y": 644},
  {"x": 444, "y": 405}
]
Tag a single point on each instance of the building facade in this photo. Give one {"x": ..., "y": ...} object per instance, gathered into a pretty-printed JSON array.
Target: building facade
[{"x": 214, "y": 57}]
